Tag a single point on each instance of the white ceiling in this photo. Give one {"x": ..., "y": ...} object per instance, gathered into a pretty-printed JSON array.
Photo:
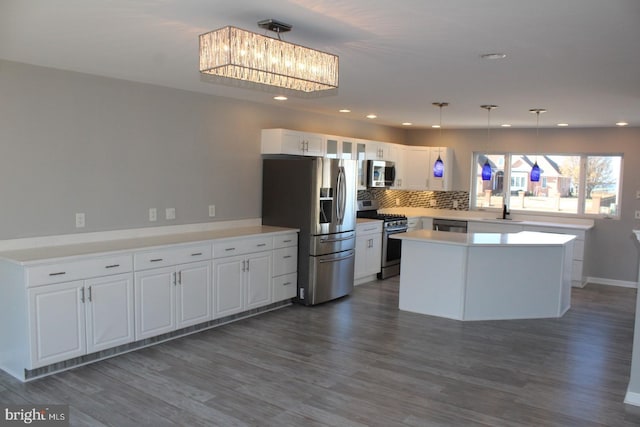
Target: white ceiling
[{"x": 579, "y": 59}]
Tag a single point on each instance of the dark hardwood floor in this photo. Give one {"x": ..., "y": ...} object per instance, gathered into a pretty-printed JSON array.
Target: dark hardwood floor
[{"x": 359, "y": 361}]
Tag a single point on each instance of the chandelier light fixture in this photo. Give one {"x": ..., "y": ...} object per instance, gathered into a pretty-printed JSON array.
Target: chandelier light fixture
[
  {"x": 235, "y": 53},
  {"x": 534, "y": 176},
  {"x": 438, "y": 166},
  {"x": 486, "y": 168}
]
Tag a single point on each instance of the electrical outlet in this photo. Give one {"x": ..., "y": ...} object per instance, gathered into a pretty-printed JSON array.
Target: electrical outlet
[
  {"x": 170, "y": 213},
  {"x": 432, "y": 203},
  {"x": 212, "y": 210},
  {"x": 455, "y": 204},
  {"x": 153, "y": 214},
  {"x": 397, "y": 201},
  {"x": 637, "y": 194},
  {"x": 80, "y": 220},
  {"x": 637, "y": 214}
]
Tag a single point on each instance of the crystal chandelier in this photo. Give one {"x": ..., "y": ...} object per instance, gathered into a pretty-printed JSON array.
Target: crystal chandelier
[{"x": 239, "y": 54}]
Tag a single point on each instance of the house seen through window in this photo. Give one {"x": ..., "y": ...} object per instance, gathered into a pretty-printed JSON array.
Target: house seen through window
[{"x": 569, "y": 184}]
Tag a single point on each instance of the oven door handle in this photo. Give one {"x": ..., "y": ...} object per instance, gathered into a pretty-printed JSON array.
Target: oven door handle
[{"x": 322, "y": 261}]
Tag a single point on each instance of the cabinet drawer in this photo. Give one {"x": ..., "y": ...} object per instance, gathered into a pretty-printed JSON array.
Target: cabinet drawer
[
  {"x": 367, "y": 228},
  {"x": 171, "y": 256},
  {"x": 285, "y": 287},
  {"x": 285, "y": 260},
  {"x": 81, "y": 269},
  {"x": 285, "y": 240},
  {"x": 242, "y": 246}
]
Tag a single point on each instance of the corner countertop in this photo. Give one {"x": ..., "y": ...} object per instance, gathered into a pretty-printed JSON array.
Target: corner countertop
[
  {"x": 522, "y": 238},
  {"x": 490, "y": 216},
  {"x": 51, "y": 253}
]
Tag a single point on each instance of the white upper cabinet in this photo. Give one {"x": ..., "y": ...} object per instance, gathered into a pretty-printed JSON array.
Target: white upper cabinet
[
  {"x": 337, "y": 147},
  {"x": 418, "y": 168},
  {"x": 285, "y": 141}
]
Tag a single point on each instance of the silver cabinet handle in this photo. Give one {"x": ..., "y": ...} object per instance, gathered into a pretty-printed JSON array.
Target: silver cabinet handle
[
  {"x": 247, "y": 265},
  {"x": 60, "y": 273},
  {"x": 243, "y": 263},
  {"x": 180, "y": 277},
  {"x": 155, "y": 260},
  {"x": 82, "y": 294},
  {"x": 230, "y": 249},
  {"x": 286, "y": 283},
  {"x": 286, "y": 241},
  {"x": 259, "y": 245},
  {"x": 112, "y": 266},
  {"x": 173, "y": 278},
  {"x": 89, "y": 298},
  {"x": 197, "y": 254},
  {"x": 286, "y": 256}
]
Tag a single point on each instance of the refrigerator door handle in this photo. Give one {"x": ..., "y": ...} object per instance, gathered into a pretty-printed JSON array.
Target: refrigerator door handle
[
  {"x": 342, "y": 194},
  {"x": 322, "y": 261}
]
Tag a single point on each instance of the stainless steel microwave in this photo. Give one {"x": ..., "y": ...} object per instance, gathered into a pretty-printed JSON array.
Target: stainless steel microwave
[{"x": 380, "y": 173}]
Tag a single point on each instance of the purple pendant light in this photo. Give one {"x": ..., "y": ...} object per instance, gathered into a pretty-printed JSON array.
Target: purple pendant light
[
  {"x": 534, "y": 176},
  {"x": 438, "y": 166},
  {"x": 486, "y": 168}
]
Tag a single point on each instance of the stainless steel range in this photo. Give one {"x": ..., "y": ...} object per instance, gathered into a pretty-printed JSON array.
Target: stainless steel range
[{"x": 392, "y": 224}]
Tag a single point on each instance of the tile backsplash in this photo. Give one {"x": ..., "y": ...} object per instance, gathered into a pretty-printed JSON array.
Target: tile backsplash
[{"x": 417, "y": 199}]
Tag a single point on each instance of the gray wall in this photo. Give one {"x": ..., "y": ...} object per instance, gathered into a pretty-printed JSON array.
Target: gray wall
[
  {"x": 113, "y": 149},
  {"x": 612, "y": 253}
]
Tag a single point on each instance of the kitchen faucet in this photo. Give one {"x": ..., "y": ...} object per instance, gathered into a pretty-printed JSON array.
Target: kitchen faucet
[{"x": 505, "y": 212}]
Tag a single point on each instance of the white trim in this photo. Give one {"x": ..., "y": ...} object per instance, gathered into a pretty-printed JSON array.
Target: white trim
[
  {"x": 101, "y": 236},
  {"x": 632, "y": 398},
  {"x": 612, "y": 282}
]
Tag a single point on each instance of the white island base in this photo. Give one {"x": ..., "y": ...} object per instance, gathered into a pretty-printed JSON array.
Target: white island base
[{"x": 485, "y": 276}]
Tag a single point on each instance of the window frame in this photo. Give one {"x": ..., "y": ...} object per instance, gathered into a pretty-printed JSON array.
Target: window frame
[{"x": 581, "y": 196}]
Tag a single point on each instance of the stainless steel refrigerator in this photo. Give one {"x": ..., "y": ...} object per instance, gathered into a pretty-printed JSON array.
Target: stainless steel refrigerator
[{"x": 318, "y": 196}]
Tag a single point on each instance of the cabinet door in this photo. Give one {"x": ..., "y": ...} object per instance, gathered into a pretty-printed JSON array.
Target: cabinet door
[
  {"x": 258, "y": 280},
  {"x": 155, "y": 302},
  {"x": 374, "y": 255},
  {"x": 109, "y": 303},
  {"x": 57, "y": 318},
  {"x": 362, "y": 247},
  {"x": 228, "y": 295},
  {"x": 193, "y": 300},
  {"x": 416, "y": 168}
]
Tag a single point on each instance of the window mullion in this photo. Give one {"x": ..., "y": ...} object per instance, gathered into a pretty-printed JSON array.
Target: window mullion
[{"x": 582, "y": 188}]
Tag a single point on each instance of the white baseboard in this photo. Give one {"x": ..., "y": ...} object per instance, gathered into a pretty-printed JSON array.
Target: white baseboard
[
  {"x": 612, "y": 282},
  {"x": 632, "y": 398},
  {"x": 101, "y": 236}
]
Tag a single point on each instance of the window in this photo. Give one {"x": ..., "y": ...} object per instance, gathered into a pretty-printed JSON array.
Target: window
[{"x": 569, "y": 184}]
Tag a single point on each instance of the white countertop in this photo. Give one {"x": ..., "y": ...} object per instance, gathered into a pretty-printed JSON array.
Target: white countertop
[
  {"x": 35, "y": 255},
  {"x": 491, "y": 216},
  {"x": 365, "y": 220},
  {"x": 523, "y": 238}
]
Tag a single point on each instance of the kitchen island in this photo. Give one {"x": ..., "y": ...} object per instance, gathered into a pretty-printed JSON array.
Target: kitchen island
[{"x": 485, "y": 276}]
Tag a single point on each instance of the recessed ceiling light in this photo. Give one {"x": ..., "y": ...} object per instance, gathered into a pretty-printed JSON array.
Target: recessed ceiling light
[
  {"x": 280, "y": 98},
  {"x": 564, "y": 125},
  {"x": 371, "y": 116},
  {"x": 407, "y": 124},
  {"x": 435, "y": 126},
  {"x": 622, "y": 124},
  {"x": 344, "y": 110},
  {"x": 505, "y": 125},
  {"x": 494, "y": 55}
]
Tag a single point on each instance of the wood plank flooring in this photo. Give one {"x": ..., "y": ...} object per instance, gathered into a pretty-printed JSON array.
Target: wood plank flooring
[{"x": 359, "y": 361}]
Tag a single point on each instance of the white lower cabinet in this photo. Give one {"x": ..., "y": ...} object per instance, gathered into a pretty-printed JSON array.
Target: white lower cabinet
[
  {"x": 173, "y": 297},
  {"x": 59, "y": 309},
  {"x": 241, "y": 282},
  {"x": 368, "y": 249},
  {"x": 71, "y": 319}
]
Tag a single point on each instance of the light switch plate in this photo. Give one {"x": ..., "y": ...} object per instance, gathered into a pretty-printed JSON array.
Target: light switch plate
[
  {"x": 637, "y": 214},
  {"x": 212, "y": 210},
  {"x": 432, "y": 203},
  {"x": 170, "y": 213},
  {"x": 637, "y": 194},
  {"x": 153, "y": 214}
]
